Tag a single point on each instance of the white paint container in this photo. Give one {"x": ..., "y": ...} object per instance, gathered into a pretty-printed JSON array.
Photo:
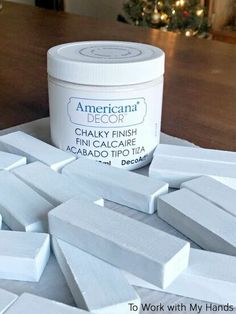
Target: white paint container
[{"x": 105, "y": 100}]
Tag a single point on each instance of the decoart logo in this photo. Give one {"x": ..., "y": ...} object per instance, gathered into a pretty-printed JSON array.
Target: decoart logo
[{"x": 106, "y": 113}]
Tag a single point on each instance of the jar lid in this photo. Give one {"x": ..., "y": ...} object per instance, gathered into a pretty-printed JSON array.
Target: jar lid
[{"x": 105, "y": 62}]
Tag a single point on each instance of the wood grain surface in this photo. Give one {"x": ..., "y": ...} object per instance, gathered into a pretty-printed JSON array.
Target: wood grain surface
[{"x": 200, "y": 80}]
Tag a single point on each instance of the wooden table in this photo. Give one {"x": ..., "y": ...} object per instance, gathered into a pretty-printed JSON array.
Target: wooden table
[{"x": 200, "y": 81}]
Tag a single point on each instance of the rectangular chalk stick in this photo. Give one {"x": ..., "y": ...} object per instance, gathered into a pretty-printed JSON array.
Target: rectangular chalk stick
[
  {"x": 6, "y": 300},
  {"x": 176, "y": 170},
  {"x": 95, "y": 285},
  {"x": 203, "y": 222},
  {"x": 196, "y": 153},
  {"x": 117, "y": 185},
  {"x": 230, "y": 182},
  {"x": 21, "y": 207},
  {"x": 34, "y": 149},
  {"x": 10, "y": 161},
  {"x": 121, "y": 241},
  {"x": 210, "y": 277},
  {"x": 23, "y": 255},
  {"x": 214, "y": 191},
  {"x": 29, "y": 303},
  {"x": 55, "y": 187}
]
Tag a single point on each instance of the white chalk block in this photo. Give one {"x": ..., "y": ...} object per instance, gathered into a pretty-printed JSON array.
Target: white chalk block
[
  {"x": 196, "y": 153},
  {"x": 175, "y": 171},
  {"x": 29, "y": 303},
  {"x": 230, "y": 182},
  {"x": 213, "y": 191},
  {"x": 95, "y": 285},
  {"x": 203, "y": 222},
  {"x": 10, "y": 161},
  {"x": 6, "y": 300},
  {"x": 124, "y": 242},
  {"x": 117, "y": 185},
  {"x": 210, "y": 277},
  {"x": 55, "y": 187},
  {"x": 34, "y": 149},
  {"x": 23, "y": 255},
  {"x": 21, "y": 207}
]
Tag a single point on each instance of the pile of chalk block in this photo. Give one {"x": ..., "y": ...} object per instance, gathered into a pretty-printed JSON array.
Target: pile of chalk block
[{"x": 48, "y": 198}]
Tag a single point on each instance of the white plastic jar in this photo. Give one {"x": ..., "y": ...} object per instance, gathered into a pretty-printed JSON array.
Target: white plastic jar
[{"x": 105, "y": 100}]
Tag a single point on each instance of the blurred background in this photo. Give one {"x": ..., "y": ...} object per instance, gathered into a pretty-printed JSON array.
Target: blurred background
[{"x": 211, "y": 19}]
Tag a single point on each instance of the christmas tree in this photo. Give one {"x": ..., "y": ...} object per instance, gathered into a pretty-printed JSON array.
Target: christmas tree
[{"x": 182, "y": 16}]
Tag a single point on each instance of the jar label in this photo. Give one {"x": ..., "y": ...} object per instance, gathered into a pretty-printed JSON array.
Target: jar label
[{"x": 120, "y": 128}]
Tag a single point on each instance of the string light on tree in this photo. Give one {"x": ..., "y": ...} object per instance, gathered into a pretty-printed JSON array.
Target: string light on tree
[
  {"x": 199, "y": 12},
  {"x": 180, "y": 3},
  {"x": 181, "y": 16},
  {"x": 189, "y": 33}
]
